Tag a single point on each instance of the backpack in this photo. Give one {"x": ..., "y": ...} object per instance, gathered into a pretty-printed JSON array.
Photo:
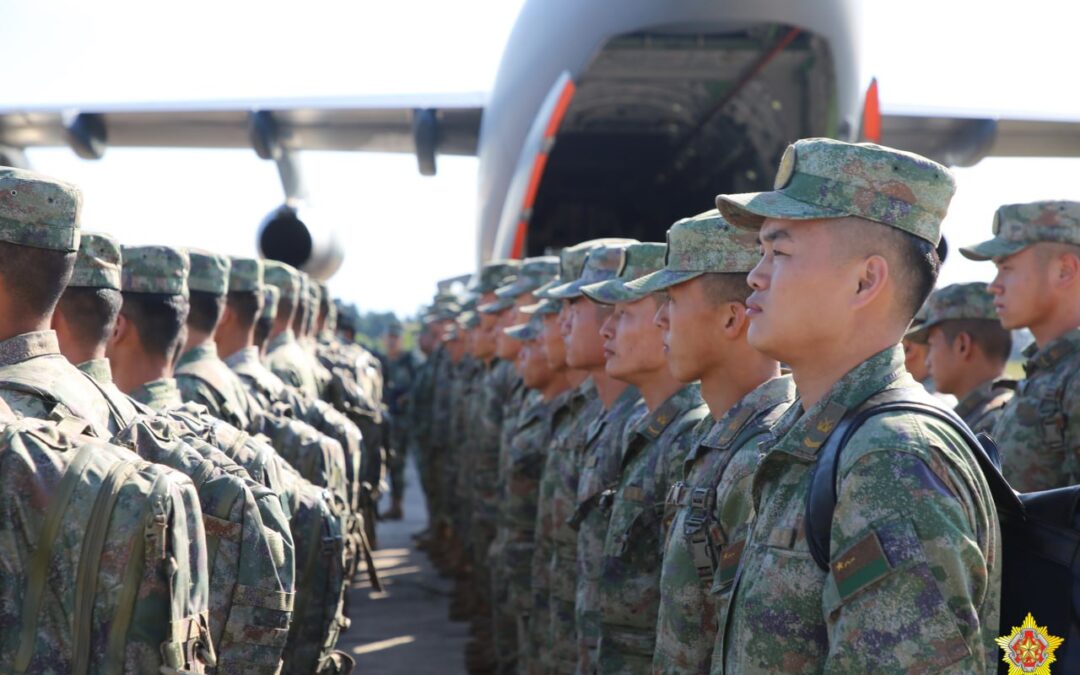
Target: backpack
[
  {"x": 250, "y": 556},
  {"x": 317, "y": 531},
  {"x": 104, "y": 567},
  {"x": 1040, "y": 530}
]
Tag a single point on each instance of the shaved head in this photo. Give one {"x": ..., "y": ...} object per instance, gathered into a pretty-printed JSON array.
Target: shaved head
[{"x": 913, "y": 262}]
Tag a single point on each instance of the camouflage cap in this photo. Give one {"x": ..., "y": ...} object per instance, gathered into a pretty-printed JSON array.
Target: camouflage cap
[
  {"x": 603, "y": 262},
  {"x": 534, "y": 273},
  {"x": 530, "y": 330},
  {"x": 494, "y": 274},
  {"x": 703, "y": 244},
  {"x": 97, "y": 264},
  {"x": 245, "y": 275},
  {"x": 957, "y": 301},
  {"x": 546, "y": 306},
  {"x": 496, "y": 306},
  {"x": 154, "y": 269},
  {"x": 451, "y": 333},
  {"x": 823, "y": 178},
  {"x": 640, "y": 259},
  {"x": 1017, "y": 226},
  {"x": 285, "y": 277},
  {"x": 394, "y": 327},
  {"x": 38, "y": 211},
  {"x": 270, "y": 294},
  {"x": 468, "y": 319},
  {"x": 209, "y": 272},
  {"x": 572, "y": 260}
]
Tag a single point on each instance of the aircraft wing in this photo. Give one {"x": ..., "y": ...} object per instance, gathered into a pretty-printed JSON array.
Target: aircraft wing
[
  {"x": 423, "y": 125},
  {"x": 965, "y": 139}
]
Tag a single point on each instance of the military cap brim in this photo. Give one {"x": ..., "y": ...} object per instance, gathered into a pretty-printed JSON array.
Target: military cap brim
[
  {"x": 612, "y": 291},
  {"x": 496, "y": 306},
  {"x": 548, "y": 306},
  {"x": 511, "y": 291},
  {"x": 994, "y": 248},
  {"x": 750, "y": 209},
  {"x": 660, "y": 280},
  {"x": 523, "y": 331}
]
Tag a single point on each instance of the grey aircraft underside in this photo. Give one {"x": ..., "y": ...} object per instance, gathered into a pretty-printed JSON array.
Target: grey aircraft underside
[{"x": 606, "y": 118}]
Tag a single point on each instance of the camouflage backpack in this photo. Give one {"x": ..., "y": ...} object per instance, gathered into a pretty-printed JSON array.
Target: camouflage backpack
[
  {"x": 318, "y": 537},
  {"x": 250, "y": 556},
  {"x": 102, "y": 558}
]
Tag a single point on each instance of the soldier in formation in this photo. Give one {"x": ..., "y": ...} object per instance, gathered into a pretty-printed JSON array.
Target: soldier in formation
[
  {"x": 191, "y": 514},
  {"x": 658, "y": 484},
  {"x": 620, "y": 475}
]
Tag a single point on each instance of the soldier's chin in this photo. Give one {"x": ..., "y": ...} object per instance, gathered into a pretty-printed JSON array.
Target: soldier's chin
[{"x": 762, "y": 338}]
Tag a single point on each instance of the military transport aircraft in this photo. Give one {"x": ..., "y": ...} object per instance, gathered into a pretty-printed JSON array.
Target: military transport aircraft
[{"x": 605, "y": 118}]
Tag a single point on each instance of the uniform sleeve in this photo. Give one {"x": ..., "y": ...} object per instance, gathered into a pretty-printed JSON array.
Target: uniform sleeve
[
  {"x": 1071, "y": 408},
  {"x": 908, "y": 578}
]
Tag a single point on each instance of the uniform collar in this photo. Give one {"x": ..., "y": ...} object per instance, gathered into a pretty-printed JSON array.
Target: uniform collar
[
  {"x": 205, "y": 352},
  {"x": 159, "y": 394},
  {"x": 803, "y": 434},
  {"x": 766, "y": 396},
  {"x": 283, "y": 338},
  {"x": 1055, "y": 351},
  {"x": 99, "y": 369},
  {"x": 245, "y": 356},
  {"x": 27, "y": 346},
  {"x": 975, "y": 399},
  {"x": 654, "y": 423}
]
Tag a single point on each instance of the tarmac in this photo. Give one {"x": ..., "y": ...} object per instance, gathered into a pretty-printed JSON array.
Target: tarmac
[{"x": 405, "y": 629}]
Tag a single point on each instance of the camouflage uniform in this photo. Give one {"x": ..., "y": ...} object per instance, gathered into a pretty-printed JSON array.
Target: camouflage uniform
[
  {"x": 400, "y": 374},
  {"x": 1037, "y": 433},
  {"x": 598, "y": 462},
  {"x": 981, "y": 407},
  {"x": 202, "y": 376},
  {"x": 914, "y": 576},
  {"x": 284, "y": 355}
]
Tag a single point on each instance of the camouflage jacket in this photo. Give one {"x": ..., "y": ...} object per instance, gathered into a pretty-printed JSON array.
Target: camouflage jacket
[
  {"x": 495, "y": 388},
  {"x": 287, "y": 359},
  {"x": 982, "y": 407},
  {"x": 565, "y": 409},
  {"x": 122, "y": 408},
  {"x": 204, "y": 378},
  {"x": 651, "y": 453},
  {"x": 706, "y": 508},
  {"x": 567, "y": 442},
  {"x": 915, "y": 549},
  {"x": 422, "y": 402},
  {"x": 599, "y": 465},
  {"x": 36, "y": 381},
  {"x": 1038, "y": 432}
]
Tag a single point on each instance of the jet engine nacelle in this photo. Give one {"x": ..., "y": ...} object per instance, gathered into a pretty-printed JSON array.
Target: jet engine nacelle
[{"x": 293, "y": 234}]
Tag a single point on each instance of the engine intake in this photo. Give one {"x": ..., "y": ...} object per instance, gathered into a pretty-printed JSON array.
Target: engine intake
[{"x": 290, "y": 234}]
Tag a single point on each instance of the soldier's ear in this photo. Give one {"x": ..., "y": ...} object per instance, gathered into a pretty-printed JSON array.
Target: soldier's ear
[
  {"x": 873, "y": 274},
  {"x": 963, "y": 344},
  {"x": 1068, "y": 268},
  {"x": 120, "y": 331}
]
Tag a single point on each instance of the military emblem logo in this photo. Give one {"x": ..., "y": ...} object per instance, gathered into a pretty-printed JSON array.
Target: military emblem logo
[
  {"x": 786, "y": 170},
  {"x": 1029, "y": 648}
]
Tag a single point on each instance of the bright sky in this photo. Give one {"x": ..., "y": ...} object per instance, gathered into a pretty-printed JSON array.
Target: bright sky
[{"x": 403, "y": 231}]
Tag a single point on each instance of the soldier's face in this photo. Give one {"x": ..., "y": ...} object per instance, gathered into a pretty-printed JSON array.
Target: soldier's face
[
  {"x": 507, "y": 347},
  {"x": 801, "y": 298},
  {"x": 554, "y": 347},
  {"x": 584, "y": 345},
  {"x": 689, "y": 324},
  {"x": 485, "y": 336},
  {"x": 1022, "y": 288},
  {"x": 915, "y": 355},
  {"x": 944, "y": 361},
  {"x": 535, "y": 373},
  {"x": 633, "y": 343}
]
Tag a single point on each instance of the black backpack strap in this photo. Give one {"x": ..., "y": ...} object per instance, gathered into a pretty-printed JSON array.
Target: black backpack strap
[{"x": 821, "y": 498}]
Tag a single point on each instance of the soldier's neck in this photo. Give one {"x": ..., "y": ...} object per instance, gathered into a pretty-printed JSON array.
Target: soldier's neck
[
  {"x": 656, "y": 387},
  {"x": 16, "y": 325},
  {"x": 1057, "y": 323},
  {"x": 608, "y": 388},
  {"x": 724, "y": 386},
  {"x": 556, "y": 386},
  {"x": 197, "y": 338},
  {"x": 575, "y": 377},
  {"x": 131, "y": 373},
  {"x": 976, "y": 373}
]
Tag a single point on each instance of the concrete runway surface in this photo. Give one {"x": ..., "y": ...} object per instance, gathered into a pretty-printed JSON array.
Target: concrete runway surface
[{"x": 404, "y": 630}]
